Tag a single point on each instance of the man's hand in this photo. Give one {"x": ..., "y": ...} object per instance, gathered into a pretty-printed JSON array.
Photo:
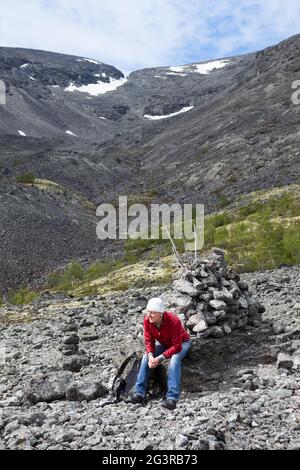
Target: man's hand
[{"x": 153, "y": 362}]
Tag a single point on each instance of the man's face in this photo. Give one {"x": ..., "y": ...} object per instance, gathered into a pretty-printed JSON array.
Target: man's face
[{"x": 154, "y": 317}]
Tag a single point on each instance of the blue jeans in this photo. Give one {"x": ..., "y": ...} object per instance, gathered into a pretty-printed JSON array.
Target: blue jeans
[{"x": 174, "y": 372}]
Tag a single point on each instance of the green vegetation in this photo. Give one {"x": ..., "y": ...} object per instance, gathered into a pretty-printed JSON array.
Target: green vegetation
[
  {"x": 259, "y": 235},
  {"x": 75, "y": 274},
  {"x": 65, "y": 281},
  {"x": 223, "y": 202},
  {"x": 21, "y": 296},
  {"x": 262, "y": 234},
  {"x": 25, "y": 178}
]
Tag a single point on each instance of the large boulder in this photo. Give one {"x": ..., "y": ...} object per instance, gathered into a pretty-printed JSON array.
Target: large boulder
[
  {"x": 48, "y": 388},
  {"x": 86, "y": 391}
]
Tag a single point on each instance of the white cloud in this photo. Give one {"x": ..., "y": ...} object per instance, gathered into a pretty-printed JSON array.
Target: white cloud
[{"x": 132, "y": 34}]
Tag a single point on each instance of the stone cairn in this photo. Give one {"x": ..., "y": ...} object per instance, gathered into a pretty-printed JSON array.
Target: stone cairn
[
  {"x": 70, "y": 342},
  {"x": 210, "y": 298},
  {"x": 69, "y": 347}
]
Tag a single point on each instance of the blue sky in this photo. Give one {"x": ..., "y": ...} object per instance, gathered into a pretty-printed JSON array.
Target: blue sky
[{"x": 132, "y": 34}]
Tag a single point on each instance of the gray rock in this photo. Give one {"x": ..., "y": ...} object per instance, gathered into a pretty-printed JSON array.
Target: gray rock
[
  {"x": 181, "y": 440},
  {"x": 88, "y": 391},
  {"x": 243, "y": 302},
  {"x": 194, "y": 320},
  {"x": 220, "y": 315},
  {"x": 224, "y": 295},
  {"x": 72, "y": 339},
  {"x": 284, "y": 361},
  {"x": 278, "y": 328},
  {"x": 296, "y": 361},
  {"x": 185, "y": 287},
  {"x": 201, "y": 326},
  {"x": 226, "y": 328},
  {"x": 48, "y": 388},
  {"x": 282, "y": 393},
  {"x": 184, "y": 302},
  {"x": 210, "y": 318},
  {"x": 218, "y": 305},
  {"x": 75, "y": 363},
  {"x": 206, "y": 296},
  {"x": 215, "y": 332}
]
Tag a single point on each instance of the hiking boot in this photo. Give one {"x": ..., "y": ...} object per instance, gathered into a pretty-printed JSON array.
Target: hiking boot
[
  {"x": 137, "y": 399},
  {"x": 170, "y": 404}
]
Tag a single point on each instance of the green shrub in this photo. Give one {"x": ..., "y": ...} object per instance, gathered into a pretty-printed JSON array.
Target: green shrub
[
  {"x": 221, "y": 219},
  {"x": 223, "y": 202},
  {"x": 54, "y": 280},
  {"x": 25, "y": 178},
  {"x": 291, "y": 243},
  {"x": 21, "y": 296},
  {"x": 256, "y": 240},
  {"x": 73, "y": 274}
]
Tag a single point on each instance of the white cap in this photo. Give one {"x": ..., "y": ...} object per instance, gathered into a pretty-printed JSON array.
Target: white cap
[{"x": 156, "y": 305}]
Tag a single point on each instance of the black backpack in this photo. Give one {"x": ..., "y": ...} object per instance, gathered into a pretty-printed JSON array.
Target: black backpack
[{"x": 126, "y": 376}]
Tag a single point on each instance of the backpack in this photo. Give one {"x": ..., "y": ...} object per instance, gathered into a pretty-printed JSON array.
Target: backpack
[{"x": 126, "y": 376}]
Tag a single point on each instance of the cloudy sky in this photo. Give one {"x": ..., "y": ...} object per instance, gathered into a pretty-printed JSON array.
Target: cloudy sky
[{"x": 132, "y": 34}]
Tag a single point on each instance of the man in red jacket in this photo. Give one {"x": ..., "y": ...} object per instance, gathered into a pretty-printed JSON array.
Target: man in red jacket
[{"x": 173, "y": 342}]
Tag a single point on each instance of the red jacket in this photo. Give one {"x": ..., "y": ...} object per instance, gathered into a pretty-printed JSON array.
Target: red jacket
[{"x": 170, "y": 334}]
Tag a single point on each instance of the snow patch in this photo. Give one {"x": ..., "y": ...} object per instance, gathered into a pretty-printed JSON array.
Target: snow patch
[
  {"x": 31, "y": 78},
  {"x": 102, "y": 117},
  {"x": 176, "y": 74},
  {"x": 209, "y": 66},
  {"x": 98, "y": 88},
  {"x": 159, "y": 76},
  {"x": 23, "y": 66},
  {"x": 183, "y": 110},
  {"x": 89, "y": 60},
  {"x": 203, "y": 69},
  {"x": 177, "y": 69},
  {"x": 22, "y": 133},
  {"x": 55, "y": 86},
  {"x": 70, "y": 133}
]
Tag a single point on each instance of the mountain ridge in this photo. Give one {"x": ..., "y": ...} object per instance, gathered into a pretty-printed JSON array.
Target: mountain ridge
[{"x": 240, "y": 134}]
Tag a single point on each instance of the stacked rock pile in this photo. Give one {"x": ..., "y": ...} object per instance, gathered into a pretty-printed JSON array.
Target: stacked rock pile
[
  {"x": 70, "y": 347},
  {"x": 211, "y": 299},
  {"x": 70, "y": 342}
]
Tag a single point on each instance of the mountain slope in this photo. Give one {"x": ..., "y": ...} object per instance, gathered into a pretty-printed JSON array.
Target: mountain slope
[{"x": 203, "y": 133}]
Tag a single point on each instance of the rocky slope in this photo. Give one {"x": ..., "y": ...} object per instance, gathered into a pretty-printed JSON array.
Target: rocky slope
[
  {"x": 237, "y": 132},
  {"x": 244, "y": 393}
]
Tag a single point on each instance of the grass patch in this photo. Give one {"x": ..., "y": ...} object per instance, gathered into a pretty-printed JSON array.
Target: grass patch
[
  {"x": 21, "y": 296},
  {"x": 260, "y": 235},
  {"x": 223, "y": 202},
  {"x": 25, "y": 178}
]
